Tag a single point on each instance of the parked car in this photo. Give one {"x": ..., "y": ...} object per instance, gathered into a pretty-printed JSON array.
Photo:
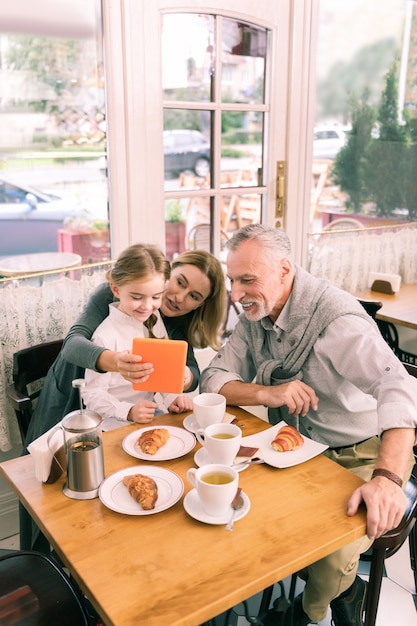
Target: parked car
[
  {"x": 186, "y": 150},
  {"x": 29, "y": 219},
  {"x": 328, "y": 140}
]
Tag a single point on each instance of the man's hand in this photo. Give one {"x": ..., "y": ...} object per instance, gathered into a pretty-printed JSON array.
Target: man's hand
[
  {"x": 295, "y": 395},
  {"x": 385, "y": 503}
]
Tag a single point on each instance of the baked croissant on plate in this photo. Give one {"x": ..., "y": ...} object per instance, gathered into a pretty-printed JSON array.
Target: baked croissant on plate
[
  {"x": 152, "y": 440},
  {"x": 143, "y": 490},
  {"x": 287, "y": 438}
]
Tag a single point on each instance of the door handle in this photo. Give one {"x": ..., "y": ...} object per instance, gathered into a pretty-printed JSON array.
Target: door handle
[{"x": 280, "y": 190}]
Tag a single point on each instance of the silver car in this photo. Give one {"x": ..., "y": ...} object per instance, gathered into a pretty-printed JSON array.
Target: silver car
[
  {"x": 186, "y": 150},
  {"x": 29, "y": 219}
]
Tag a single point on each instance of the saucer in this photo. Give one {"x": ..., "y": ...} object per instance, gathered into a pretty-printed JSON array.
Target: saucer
[
  {"x": 190, "y": 423},
  {"x": 193, "y": 507},
  {"x": 201, "y": 458}
]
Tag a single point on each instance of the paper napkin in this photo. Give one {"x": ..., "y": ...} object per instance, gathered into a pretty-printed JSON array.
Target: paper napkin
[{"x": 49, "y": 457}]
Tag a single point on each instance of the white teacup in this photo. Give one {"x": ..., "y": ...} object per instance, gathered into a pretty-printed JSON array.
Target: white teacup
[
  {"x": 209, "y": 408},
  {"x": 216, "y": 486},
  {"x": 221, "y": 442}
]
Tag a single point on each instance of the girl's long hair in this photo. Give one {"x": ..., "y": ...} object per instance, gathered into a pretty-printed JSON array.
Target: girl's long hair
[
  {"x": 205, "y": 324},
  {"x": 139, "y": 262}
]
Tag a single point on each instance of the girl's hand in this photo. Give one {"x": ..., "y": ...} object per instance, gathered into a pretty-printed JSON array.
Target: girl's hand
[
  {"x": 143, "y": 412},
  {"x": 181, "y": 404}
]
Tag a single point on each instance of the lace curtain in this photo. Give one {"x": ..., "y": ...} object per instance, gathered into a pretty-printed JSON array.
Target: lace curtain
[
  {"x": 31, "y": 313},
  {"x": 346, "y": 258}
]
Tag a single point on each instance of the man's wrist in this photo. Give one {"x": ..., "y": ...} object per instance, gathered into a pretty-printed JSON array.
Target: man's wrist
[{"x": 379, "y": 471}]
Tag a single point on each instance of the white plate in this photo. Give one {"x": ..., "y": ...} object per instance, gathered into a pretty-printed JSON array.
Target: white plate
[
  {"x": 115, "y": 495},
  {"x": 263, "y": 440},
  {"x": 190, "y": 423},
  {"x": 192, "y": 505},
  {"x": 201, "y": 458},
  {"x": 179, "y": 443}
]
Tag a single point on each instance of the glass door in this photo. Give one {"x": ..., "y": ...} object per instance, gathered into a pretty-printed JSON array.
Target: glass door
[
  {"x": 199, "y": 120},
  {"x": 215, "y": 112}
]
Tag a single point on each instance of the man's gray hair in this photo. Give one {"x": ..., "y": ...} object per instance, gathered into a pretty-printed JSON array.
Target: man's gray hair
[{"x": 272, "y": 239}]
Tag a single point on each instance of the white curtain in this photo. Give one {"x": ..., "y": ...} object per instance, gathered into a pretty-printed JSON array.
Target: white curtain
[
  {"x": 346, "y": 258},
  {"x": 32, "y": 314}
]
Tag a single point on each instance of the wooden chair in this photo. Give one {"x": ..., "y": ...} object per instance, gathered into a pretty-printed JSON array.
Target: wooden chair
[
  {"x": 34, "y": 589},
  {"x": 344, "y": 223},
  {"x": 199, "y": 237},
  {"x": 30, "y": 366}
]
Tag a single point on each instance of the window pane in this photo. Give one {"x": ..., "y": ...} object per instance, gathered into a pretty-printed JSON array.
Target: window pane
[
  {"x": 187, "y": 56},
  {"x": 241, "y": 148},
  {"x": 243, "y": 62},
  {"x": 365, "y": 134},
  {"x": 186, "y": 144},
  {"x": 52, "y": 144}
]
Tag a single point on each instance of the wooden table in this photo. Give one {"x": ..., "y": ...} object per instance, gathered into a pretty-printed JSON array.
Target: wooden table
[
  {"x": 38, "y": 262},
  {"x": 168, "y": 568},
  {"x": 398, "y": 308}
]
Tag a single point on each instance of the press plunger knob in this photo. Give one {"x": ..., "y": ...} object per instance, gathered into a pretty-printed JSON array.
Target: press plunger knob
[{"x": 79, "y": 383}]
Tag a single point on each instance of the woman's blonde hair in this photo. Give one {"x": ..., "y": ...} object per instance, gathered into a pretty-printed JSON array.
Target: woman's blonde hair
[
  {"x": 204, "y": 328},
  {"x": 138, "y": 262}
]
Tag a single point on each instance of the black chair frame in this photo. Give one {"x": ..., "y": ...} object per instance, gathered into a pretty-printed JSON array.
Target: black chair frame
[
  {"x": 35, "y": 590},
  {"x": 30, "y": 365}
]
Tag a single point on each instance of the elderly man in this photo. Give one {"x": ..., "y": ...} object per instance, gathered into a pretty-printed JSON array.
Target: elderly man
[{"x": 310, "y": 353}]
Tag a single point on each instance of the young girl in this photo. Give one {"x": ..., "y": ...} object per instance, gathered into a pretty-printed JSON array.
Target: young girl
[{"x": 138, "y": 280}]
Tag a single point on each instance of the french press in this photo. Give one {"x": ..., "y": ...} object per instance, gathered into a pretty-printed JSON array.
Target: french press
[{"x": 83, "y": 451}]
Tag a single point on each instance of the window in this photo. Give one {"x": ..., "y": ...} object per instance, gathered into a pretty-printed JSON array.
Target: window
[{"x": 52, "y": 131}]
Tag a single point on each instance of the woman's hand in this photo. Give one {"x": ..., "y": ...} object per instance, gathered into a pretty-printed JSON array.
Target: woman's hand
[
  {"x": 181, "y": 404},
  {"x": 188, "y": 378},
  {"x": 142, "y": 412}
]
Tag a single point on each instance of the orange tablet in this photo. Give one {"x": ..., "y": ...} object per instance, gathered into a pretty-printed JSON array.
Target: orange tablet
[{"x": 168, "y": 357}]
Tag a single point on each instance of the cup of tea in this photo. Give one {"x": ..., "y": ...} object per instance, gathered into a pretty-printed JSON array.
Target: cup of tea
[
  {"x": 209, "y": 408},
  {"x": 216, "y": 486},
  {"x": 221, "y": 442}
]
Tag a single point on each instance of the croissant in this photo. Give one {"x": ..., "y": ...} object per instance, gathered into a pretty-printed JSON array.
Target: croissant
[
  {"x": 143, "y": 490},
  {"x": 287, "y": 438},
  {"x": 152, "y": 440}
]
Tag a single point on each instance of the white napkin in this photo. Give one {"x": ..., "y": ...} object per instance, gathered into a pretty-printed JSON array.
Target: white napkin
[
  {"x": 43, "y": 453},
  {"x": 228, "y": 418}
]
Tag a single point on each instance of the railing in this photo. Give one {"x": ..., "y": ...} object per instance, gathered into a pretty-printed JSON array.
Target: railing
[
  {"x": 346, "y": 257},
  {"x": 32, "y": 313}
]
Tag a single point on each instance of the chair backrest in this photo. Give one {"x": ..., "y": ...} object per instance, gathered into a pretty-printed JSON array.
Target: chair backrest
[
  {"x": 387, "y": 545},
  {"x": 371, "y": 306},
  {"x": 344, "y": 223},
  {"x": 199, "y": 237},
  {"x": 35, "y": 590},
  {"x": 411, "y": 369},
  {"x": 388, "y": 331},
  {"x": 30, "y": 366}
]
